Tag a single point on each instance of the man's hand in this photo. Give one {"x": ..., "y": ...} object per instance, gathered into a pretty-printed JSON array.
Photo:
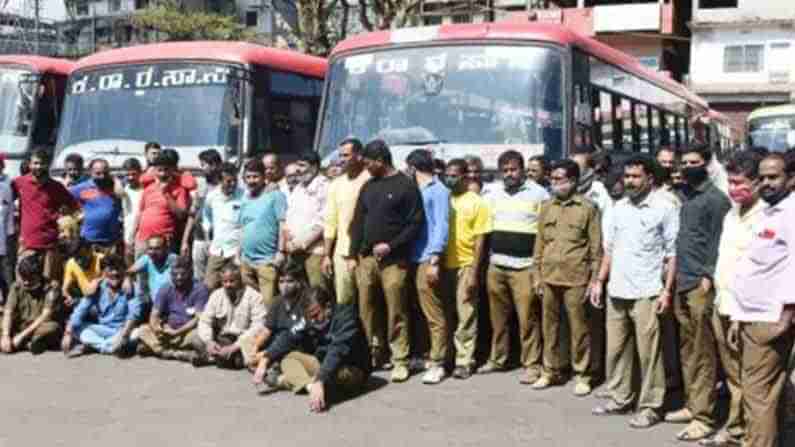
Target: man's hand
[
  {"x": 595, "y": 294},
  {"x": 184, "y": 250},
  {"x": 66, "y": 342},
  {"x": 327, "y": 266},
  {"x": 17, "y": 341},
  {"x": 662, "y": 303},
  {"x": 6, "y": 345},
  {"x": 127, "y": 286},
  {"x": 262, "y": 368},
  {"x": 706, "y": 285},
  {"x": 381, "y": 251},
  {"x": 432, "y": 275},
  {"x": 213, "y": 348},
  {"x": 227, "y": 351},
  {"x": 733, "y": 336},
  {"x": 317, "y": 397},
  {"x": 166, "y": 330}
]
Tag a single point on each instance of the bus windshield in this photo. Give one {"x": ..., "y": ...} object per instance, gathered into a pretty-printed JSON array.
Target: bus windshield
[
  {"x": 17, "y": 101},
  {"x": 458, "y": 100},
  {"x": 115, "y": 111},
  {"x": 776, "y": 133}
]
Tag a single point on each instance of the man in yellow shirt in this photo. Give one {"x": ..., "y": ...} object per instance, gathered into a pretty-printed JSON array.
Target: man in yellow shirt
[
  {"x": 80, "y": 271},
  {"x": 469, "y": 224},
  {"x": 343, "y": 193}
]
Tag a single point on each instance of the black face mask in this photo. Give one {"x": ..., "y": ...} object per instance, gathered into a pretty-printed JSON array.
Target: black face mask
[
  {"x": 772, "y": 196},
  {"x": 104, "y": 183},
  {"x": 694, "y": 175}
]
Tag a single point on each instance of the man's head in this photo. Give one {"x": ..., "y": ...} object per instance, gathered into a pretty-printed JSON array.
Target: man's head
[
  {"x": 317, "y": 305},
  {"x": 100, "y": 173},
  {"x": 151, "y": 151},
  {"x": 774, "y": 178},
  {"x": 743, "y": 173},
  {"x": 695, "y": 159},
  {"x": 254, "y": 176},
  {"x": 132, "y": 171},
  {"x": 350, "y": 154},
  {"x": 30, "y": 272},
  {"x": 292, "y": 279},
  {"x": 182, "y": 273},
  {"x": 537, "y": 169},
  {"x": 292, "y": 176},
  {"x": 677, "y": 180},
  {"x": 165, "y": 167},
  {"x": 638, "y": 177},
  {"x": 228, "y": 172},
  {"x": 377, "y": 158},
  {"x": 511, "y": 165},
  {"x": 602, "y": 162},
  {"x": 273, "y": 168},
  {"x": 455, "y": 176},
  {"x": 563, "y": 178},
  {"x": 308, "y": 164},
  {"x": 74, "y": 166},
  {"x": 474, "y": 172},
  {"x": 156, "y": 249},
  {"x": 419, "y": 160},
  {"x": 40, "y": 164},
  {"x": 113, "y": 270},
  {"x": 614, "y": 182},
  {"x": 666, "y": 157},
  {"x": 231, "y": 279},
  {"x": 210, "y": 162}
]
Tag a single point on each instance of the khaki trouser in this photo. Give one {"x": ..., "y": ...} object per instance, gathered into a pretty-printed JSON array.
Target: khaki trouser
[
  {"x": 693, "y": 310},
  {"x": 344, "y": 281},
  {"x": 465, "y": 313},
  {"x": 373, "y": 280},
  {"x": 732, "y": 364},
  {"x": 764, "y": 374},
  {"x": 262, "y": 278},
  {"x": 299, "y": 370},
  {"x": 247, "y": 344},
  {"x": 511, "y": 290},
  {"x": 158, "y": 344},
  {"x": 580, "y": 341},
  {"x": 788, "y": 405},
  {"x": 313, "y": 264},
  {"x": 215, "y": 267},
  {"x": 431, "y": 300},
  {"x": 47, "y": 334},
  {"x": 633, "y": 325}
]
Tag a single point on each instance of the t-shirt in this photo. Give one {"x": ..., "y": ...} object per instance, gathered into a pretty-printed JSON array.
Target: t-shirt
[
  {"x": 156, "y": 218},
  {"x": 40, "y": 207},
  {"x": 469, "y": 218},
  {"x": 184, "y": 178},
  {"x": 157, "y": 276},
  {"x": 101, "y": 212},
  {"x": 176, "y": 308},
  {"x": 260, "y": 218},
  {"x": 75, "y": 274}
]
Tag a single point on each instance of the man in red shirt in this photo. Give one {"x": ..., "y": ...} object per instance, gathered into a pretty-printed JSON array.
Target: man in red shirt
[
  {"x": 42, "y": 201},
  {"x": 152, "y": 151},
  {"x": 164, "y": 204}
]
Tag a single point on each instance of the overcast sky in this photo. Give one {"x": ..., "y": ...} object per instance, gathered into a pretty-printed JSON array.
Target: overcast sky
[{"x": 51, "y": 9}]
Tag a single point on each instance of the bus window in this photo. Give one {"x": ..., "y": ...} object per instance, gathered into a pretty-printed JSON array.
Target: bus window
[{"x": 626, "y": 125}]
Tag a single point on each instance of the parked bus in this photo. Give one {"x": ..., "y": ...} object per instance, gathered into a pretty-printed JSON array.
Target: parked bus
[
  {"x": 31, "y": 97},
  {"x": 719, "y": 133},
  {"x": 485, "y": 88},
  {"x": 772, "y": 127},
  {"x": 239, "y": 98}
]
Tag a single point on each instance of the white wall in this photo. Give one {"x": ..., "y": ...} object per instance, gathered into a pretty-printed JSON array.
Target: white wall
[
  {"x": 707, "y": 49},
  {"x": 101, "y": 8},
  {"x": 747, "y": 10}
]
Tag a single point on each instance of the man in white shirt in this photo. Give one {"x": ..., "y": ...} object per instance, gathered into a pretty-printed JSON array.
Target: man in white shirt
[
  {"x": 131, "y": 206},
  {"x": 221, "y": 224}
]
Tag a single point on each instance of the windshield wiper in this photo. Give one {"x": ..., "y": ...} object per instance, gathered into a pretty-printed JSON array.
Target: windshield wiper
[
  {"x": 420, "y": 143},
  {"x": 115, "y": 152}
]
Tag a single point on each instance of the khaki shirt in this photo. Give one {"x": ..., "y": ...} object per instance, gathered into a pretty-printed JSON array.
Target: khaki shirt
[
  {"x": 24, "y": 307},
  {"x": 568, "y": 248}
]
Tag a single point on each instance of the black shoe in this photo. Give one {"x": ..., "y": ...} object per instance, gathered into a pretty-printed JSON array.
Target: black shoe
[
  {"x": 200, "y": 360},
  {"x": 37, "y": 346},
  {"x": 462, "y": 372}
]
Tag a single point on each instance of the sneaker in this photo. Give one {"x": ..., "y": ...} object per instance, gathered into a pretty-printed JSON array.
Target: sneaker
[
  {"x": 462, "y": 372},
  {"x": 76, "y": 351},
  {"x": 400, "y": 373},
  {"x": 542, "y": 383},
  {"x": 489, "y": 368},
  {"x": 582, "y": 389},
  {"x": 434, "y": 375}
]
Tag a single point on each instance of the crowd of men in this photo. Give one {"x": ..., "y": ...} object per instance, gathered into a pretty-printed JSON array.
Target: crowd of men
[{"x": 672, "y": 266}]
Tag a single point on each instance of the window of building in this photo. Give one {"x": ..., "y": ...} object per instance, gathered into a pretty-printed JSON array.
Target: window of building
[
  {"x": 462, "y": 18},
  {"x": 717, "y": 4},
  {"x": 251, "y": 18},
  {"x": 114, "y": 5},
  {"x": 81, "y": 8},
  {"x": 743, "y": 58}
]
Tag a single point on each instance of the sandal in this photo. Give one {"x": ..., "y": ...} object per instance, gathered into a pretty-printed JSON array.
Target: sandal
[
  {"x": 721, "y": 439},
  {"x": 695, "y": 431},
  {"x": 610, "y": 409},
  {"x": 645, "y": 419}
]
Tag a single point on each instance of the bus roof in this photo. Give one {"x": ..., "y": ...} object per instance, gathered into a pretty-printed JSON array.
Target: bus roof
[
  {"x": 765, "y": 112},
  {"x": 39, "y": 64},
  {"x": 544, "y": 32},
  {"x": 231, "y": 52}
]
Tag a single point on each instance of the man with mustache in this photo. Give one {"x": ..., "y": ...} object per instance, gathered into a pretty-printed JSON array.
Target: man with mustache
[{"x": 100, "y": 199}]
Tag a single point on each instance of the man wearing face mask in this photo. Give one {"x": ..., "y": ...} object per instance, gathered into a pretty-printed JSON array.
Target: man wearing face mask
[
  {"x": 100, "y": 198},
  {"x": 514, "y": 213},
  {"x": 761, "y": 299},
  {"x": 738, "y": 230},
  {"x": 589, "y": 186},
  {"x": 701, "y": 220},
  {"x": 303, "y": 230},
  {"x": 568, "y": 252}
]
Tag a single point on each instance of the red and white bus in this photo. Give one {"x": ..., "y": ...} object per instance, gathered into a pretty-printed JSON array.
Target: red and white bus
[
  {"x": 239, "y": 98},
  {"x": 484, "y": 88},
  {"x": 31, "y": 97}
]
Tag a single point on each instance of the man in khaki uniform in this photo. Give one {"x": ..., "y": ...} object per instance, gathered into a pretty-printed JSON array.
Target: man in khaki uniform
[{"x": 568, "y": 253}]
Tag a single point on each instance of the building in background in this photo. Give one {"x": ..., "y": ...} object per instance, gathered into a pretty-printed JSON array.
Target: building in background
[
  {"x": 438, "y": 12},
  {"x": 743, "y": 55}
]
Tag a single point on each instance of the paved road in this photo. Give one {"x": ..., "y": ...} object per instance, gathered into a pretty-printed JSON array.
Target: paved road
[{"x": 104, "y": 401}]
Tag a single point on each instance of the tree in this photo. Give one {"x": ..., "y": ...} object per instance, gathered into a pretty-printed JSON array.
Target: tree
[
  {"x": 320, "y": 25},
  {"x": 388, "y": 14},
  {"x": 173, "y": 21}
]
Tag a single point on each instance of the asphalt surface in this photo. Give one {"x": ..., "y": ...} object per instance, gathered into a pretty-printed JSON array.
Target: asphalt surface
[{"x": 104, "y": 401}]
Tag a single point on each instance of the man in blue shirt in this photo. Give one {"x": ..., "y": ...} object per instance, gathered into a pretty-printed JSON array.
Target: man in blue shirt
[
  {"x": 427, "y": 254},
  {"x": 153, "y": 268},
  {"x": 101, "y": 207},
  {"x": 117, "y": 314},
  {"x": 262, "y": 214}
]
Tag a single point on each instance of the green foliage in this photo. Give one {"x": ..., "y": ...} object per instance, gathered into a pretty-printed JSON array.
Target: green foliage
[{"x": 173, "y": 22}]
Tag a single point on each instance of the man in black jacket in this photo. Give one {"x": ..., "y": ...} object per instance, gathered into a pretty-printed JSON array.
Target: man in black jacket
[{"x": 327, "y": 350}]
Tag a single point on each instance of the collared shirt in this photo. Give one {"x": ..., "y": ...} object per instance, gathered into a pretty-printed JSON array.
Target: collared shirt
[
  {"x": 738, "y": 231},
  {"x": 23, "y": 307},
  {"x": 306, "y": 206},
  {"x": 763, "y": 283},
  {"x": 598, "y": 194},
  {"x": 261, "y": 218},
  {"x": 7, "y": 209},
  {"x": 177, "y": 308},
  {"x": 221, "y": 315},
  {"x": 470, "y": 218},
  {"x": 40, "y": 206},
  {"x": 514, "y": 223},
  {"x": 568, "y": 248},
  {"x": 157, "y": 276},
  {"x": 432, "y": 239},
  {"x": 343, "y": 192},
  {"x": 221, "y": 218},
  {"x": 111, "y": 309},
  {"x": 701, "y": 220},
  {"x": 101, "y": 212},
  {"x": 638, "y": 239}
]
